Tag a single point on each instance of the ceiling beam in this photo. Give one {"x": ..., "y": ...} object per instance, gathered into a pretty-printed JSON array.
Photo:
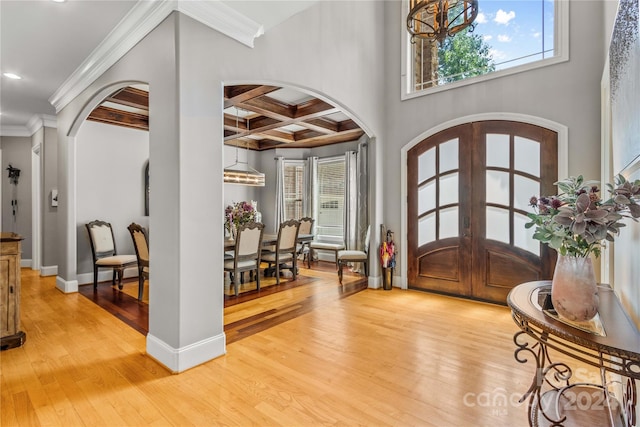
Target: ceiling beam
[
  {"x": 238, "y": 94},
  {"x": 118, "y": 117},
  {"x": 131, "y": 97}
]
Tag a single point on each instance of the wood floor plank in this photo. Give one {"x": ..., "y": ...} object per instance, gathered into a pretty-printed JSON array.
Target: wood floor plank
[{"x": 343, "y": 357}]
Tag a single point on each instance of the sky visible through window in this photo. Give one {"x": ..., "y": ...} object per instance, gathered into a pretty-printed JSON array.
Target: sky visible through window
[{"x": 518, "y": 31}]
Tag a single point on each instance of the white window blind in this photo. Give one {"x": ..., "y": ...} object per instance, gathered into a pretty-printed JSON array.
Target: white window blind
[
  {"x": 293, "y": 189},
  {"x": 331, "y": 185}
]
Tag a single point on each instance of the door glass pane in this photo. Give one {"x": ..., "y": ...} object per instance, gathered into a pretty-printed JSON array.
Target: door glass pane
[
  {"x": 427, "y": 229},
  {"x": 449, "y": 155},
  {"x": 427, "y": 197},
  {"x": 498, "y": 187},
  {"x": 497, "y": 150},
  {"x": 449, "y": 222},
  {"x": 527, "y": 156},
  {"x": 426, "y": 165},
  {"x": 449, "y": 189},
  {"x": 523, "y": 189},
  {"x": 497, "y": 224},
  {"x": 522, "y": 237}
]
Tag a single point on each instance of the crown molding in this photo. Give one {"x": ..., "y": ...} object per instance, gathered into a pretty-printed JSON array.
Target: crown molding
[
  {"x": 15, "y": 131},
  {"x": 139, "y": 22},
  {"x": 223, "y": 18},
  {"x": 34, "y": 124}
]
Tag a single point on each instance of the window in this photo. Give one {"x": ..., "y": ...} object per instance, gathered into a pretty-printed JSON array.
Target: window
[
  {"x": 331, "y": 185},
  {"x": 508, "y": 36},
  {"x": 293, "y": 189}
]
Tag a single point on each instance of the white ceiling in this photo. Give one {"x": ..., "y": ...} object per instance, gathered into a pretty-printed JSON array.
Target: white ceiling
[{"x": 45, "y": 42}]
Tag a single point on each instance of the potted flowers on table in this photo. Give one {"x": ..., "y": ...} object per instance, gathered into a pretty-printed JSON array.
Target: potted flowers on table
[
  {"x": 578, "y": 223},
  {"x": 238, "y": 214}
]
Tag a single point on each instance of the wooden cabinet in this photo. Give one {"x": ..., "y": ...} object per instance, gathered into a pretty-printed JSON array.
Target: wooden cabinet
[{"x": 10, "y": 335}]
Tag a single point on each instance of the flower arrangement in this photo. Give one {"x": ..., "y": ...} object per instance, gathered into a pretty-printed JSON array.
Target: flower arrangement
[
  {"x": 238, "y": 214},
  {"x": 577, "y": 222}
]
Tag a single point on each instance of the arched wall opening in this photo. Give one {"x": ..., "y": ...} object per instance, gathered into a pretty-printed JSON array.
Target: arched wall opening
[
  {"x": 107, "y": 182},
  {"x": 264, "y": 160}
]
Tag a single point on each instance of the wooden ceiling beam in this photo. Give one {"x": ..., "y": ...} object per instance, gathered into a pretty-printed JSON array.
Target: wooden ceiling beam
[
  {"x": 118, "y": 117},
  {"x": 277, "y": 135},
  {"x": 313, "y": 108},
  {"x": 246, "y": 143},
  {"x": 269, "y": 107},
  {"x": 234, "y": 95},
  {"x": 321, "y": 124},
  {"x": 317, "y": 141},
  {"x": 233, "y": 124},
  {"x": 347, "y": 125},
  {"x": 307, "y": 134},
  {"x": 131, "y": 97}
]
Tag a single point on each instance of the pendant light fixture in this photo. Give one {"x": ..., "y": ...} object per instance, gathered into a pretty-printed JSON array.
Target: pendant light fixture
[
  {"x": 240, "y": 172},
  {"x": 437, "y": 19}
]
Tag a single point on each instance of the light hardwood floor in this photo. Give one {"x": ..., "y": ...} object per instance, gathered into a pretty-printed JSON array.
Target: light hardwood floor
[{"x": 373, "y": 358}]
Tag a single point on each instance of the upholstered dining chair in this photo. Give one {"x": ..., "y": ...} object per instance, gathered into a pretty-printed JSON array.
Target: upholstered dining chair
[
  {"x": 350, "y": 256},
  {"x": 141, "y": 245},
  {"x": 285, "y": 249},
  {"x": 105, "y": 255},
  {"x": 248, "y": 251},
  {"x": 306, "y": 227}
]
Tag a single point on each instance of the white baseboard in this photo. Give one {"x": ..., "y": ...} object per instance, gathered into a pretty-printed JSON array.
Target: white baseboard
[
  {"x": 66, "y": 286},
  {"x": 50, "y": 270},
  {"x": 180, "y": 359},
  {"x": 24, "y": 263},
  {"x": 104, "y": 275}
]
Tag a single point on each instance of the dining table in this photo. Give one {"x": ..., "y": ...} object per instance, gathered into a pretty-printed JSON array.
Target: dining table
[{"x": 268, "y": 239}]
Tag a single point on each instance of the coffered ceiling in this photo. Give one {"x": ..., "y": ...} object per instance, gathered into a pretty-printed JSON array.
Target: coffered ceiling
[
  {"x": 256, "y": 117},
  {"x": 261, "y": 117}
]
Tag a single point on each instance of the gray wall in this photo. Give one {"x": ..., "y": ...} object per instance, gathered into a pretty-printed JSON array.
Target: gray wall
[
  {"x": 110, "y": 186},
  {"x": 567, "y": 93},
  {"x": 186, "y": 65},
  {"x": 16, "y": 151},
  {"x": 49, "y": 176}
]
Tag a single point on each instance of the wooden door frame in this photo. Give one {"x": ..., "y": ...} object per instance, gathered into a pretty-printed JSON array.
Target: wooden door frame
[{"x": 563, "y": 164}]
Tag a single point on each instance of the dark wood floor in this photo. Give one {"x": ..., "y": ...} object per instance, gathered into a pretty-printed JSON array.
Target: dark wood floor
[{"x": 321, "y": 284}]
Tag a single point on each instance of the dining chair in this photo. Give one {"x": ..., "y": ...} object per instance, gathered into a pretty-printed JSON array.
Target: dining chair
[
  {"x": 306, "y": 227},
  {"x": 285, "y": 249},
  {"x": 247, "y": 253},
  {"x": 105, "y": 255},
  {"x": 351, "y": 256},
  {"x": 141, "y": 245}
]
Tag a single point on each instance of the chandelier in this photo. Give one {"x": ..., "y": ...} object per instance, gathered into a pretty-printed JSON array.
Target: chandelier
[
  {"x": 240, "y": 172},
  {"x": 437, "y": 19}
]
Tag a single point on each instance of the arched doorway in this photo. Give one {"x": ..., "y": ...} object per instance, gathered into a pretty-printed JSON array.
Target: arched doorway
[
  {"x": 80, "y": 248},
  {"x": 468, "y": 187}
]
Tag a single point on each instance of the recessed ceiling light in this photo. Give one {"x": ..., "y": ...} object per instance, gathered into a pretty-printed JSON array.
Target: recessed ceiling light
[
  {"x": 12, "y": 76},
  {"x": 59, "y": 1}
]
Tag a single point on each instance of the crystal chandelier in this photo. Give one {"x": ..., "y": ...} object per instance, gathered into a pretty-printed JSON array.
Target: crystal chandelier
[{"x": 437, "y": 19}]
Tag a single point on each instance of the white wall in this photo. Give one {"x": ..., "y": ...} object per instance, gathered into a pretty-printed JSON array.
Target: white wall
[{"x": 110, "y": 186}]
